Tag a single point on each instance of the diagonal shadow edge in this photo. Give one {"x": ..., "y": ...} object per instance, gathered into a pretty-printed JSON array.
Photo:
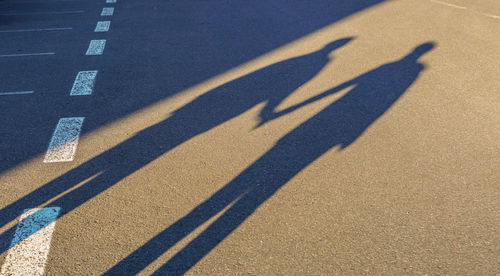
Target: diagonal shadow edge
[{"x": 335, "y": 11}]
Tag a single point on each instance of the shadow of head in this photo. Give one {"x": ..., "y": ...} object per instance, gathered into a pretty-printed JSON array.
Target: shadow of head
[
  {"x": 332, "y": 46},
  {"x": 420, "y": 50}
]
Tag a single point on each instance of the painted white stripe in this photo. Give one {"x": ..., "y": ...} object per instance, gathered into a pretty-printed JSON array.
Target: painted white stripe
[
  {"x": 42, "y": 13},
  {"x": 96, "y": 47},
  {"x": 102, "y": 26},
  {"x": 64, "y": 141},
  {"x": 84, "y": 83},
  {"x": 36, "y": 30},
  {"x": 492, "y": 15},
  {"x": 110, "y": 1},
  {"x": 31, "y": 243},
  {"x": 16, "y": 93},
  {"x": 26, "y": 55},
  {"x": 448, "y": 4},
  {"x": 107, "y": 11}
]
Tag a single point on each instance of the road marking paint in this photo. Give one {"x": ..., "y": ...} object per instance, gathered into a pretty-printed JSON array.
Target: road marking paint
[
  {"x": 16, "y": 93},
  {"x": 492, "y": 15},
  {"x": 36, "y": 30},
  {"x": 449, "y": 5},
  {"x": 102, "y": 26},
  {"x": 107, "y": 11},
  {"x": 110, "y": 1},
  {"x": 26, "y": 55},
  {"x": 96, "y": 47},
  {"x": 64, "y": 141},
  {"x": 42, "y": 13},
  {"x": 30, "y": 246},
  {"x": 84, "y": 83}
]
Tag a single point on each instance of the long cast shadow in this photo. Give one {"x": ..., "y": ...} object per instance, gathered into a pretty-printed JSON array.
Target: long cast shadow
[
  {"x": 271, "y": 85},
  {"x": 341, "y": 123}
]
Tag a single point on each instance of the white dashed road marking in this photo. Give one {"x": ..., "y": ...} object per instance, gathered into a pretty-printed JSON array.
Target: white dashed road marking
[
  {"x": 16, "y": 93},
  {"x": 102, "y": 26},
  {"x": 96, "y": 47},
  {"x": 464, "y": 8},
  {"x": 110, "y": 1},
  {"x": 42, "y": 13},
  {"x": 107, "y": 11},
  {"x": 84, "y": 83},
  {"x": 64, "y": 141},
  {"x": 492, "y": 16},
  {"x": 449, "y": 5},
  {"x": 26, "y": 55},
  {"x": 36, "y": 30},
  {"x": 30, "y": 246}
]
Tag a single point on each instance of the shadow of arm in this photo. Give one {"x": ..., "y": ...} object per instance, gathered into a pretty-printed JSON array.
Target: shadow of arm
[{"x": 291, "y": 109}]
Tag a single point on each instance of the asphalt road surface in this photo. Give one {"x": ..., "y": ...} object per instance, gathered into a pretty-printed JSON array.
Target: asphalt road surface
[{"x": 277, "y": 137}]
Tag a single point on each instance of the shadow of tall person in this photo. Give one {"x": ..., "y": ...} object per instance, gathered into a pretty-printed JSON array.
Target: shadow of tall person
[
  {"x": 341, "y": 123},
  {"x": 271, "y": 85}
]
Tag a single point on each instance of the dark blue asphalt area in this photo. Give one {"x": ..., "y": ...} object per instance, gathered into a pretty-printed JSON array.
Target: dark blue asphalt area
[{"x": 154, "y": 50}]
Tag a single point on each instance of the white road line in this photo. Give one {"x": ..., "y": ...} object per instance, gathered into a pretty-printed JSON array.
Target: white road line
[
  {"x": 448, "y": 4},
  {"x": 64, "y": 141},
  {"x": 31, "y": 243},
  {"x": 42, "y": 13},
  {"x": 110, "y": 1},
  {"x": 36, "y": 30},
  {"x": 102, "y": 26},
  {"x": 84, "y": 83},
  {"x": 26, "y": 55},
  {"x": 492, "y": 15},
  {"x": 96, "y": 47},
  {"x": 107, "y": 11},
  {"x": 16, "y": 93}
]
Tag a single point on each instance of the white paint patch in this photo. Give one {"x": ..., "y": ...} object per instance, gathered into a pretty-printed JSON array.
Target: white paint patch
[
  {"x": 64, "y": 141},
  {"x": 96, "y": 47},
  {"x": 84, "y": 83},
  {"x": 102, "y": 26},
  {"x": 449, "y": 5},
  {"x": 27, "y": 55},
  {"x": 16, "y": 93},
  {"x": 110, "y": 1},
  {"x": 30, "y": 246},
  {"x": 36, "y": 30},
  {"x": 107, "y": 11},
  {"x": 42, "y": 13},
  {"x": 492, "y": 15}
]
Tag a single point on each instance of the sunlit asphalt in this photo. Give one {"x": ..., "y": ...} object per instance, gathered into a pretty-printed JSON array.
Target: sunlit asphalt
[{"x": 262, "y": 138}]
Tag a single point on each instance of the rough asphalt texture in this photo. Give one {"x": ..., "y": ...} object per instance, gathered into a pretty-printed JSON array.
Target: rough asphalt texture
[{"x": 265, "y": 138}]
